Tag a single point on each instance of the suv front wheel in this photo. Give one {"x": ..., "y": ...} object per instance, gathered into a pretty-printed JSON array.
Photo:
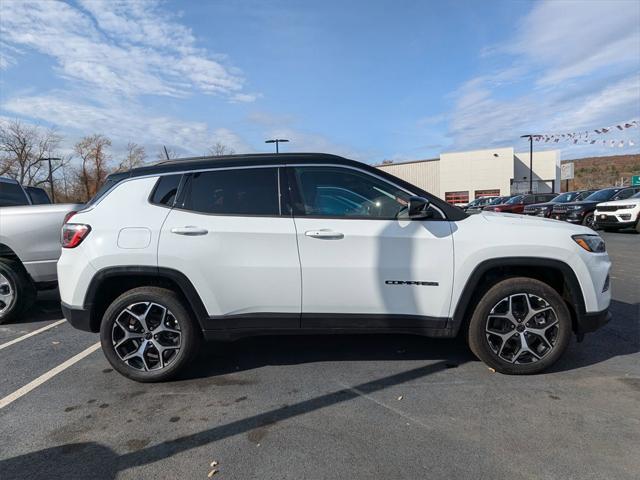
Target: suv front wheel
[
  {"x": 148, "y": 335},
  {"x": 520, "y": 326}
]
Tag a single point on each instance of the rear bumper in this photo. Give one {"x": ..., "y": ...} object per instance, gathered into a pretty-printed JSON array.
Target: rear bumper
[
  {"x": 78, "y": 317},
  {"x": 590, "y": 322}
]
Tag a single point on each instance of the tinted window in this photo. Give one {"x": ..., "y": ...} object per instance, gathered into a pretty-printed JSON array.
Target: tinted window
[
  {"x": 582, "y": 195},
  {"x": 11, "y": 194},
  {"x": 166, "y": 190},
  {"x": 602, "y": 195},
  {"x": 624, "y": 194},
  {"x": 38, "y": 196},
  {"x": 340, "y": 192},
  {"x": 516, "y": 199},
  {"x": 234, "y": 192}
]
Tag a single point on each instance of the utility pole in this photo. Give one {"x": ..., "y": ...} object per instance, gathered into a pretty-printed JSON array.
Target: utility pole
[
  {"x": 277, "y": 141},
  {"x": 53, "y": 198},
  {"x": 530, "y": 137}
]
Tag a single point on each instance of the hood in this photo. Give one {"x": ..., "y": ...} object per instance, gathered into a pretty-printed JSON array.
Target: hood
[
  {"x": 626, "y": 201},
  {"x": 499, "y": 219},
  {"x": 538, "y": 205},
  {"x": 581, "y": 203}
]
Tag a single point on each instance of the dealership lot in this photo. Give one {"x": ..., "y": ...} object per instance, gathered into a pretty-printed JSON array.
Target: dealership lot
[{"x": 326, "y": 407}]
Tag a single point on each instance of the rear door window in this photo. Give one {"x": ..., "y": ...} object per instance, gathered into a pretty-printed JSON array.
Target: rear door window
[{"x": 243, "y": 191}]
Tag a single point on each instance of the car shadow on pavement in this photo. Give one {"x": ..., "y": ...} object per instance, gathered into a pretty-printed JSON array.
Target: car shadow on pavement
[
  {"x": 620, "y": 337},
  {"x": 219, "y": 358},
  {"x": 92, "y": 460},
  {"x": 46, "y": 308}
]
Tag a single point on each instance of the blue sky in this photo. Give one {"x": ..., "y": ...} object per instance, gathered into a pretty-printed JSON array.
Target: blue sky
[{"x": 371, "y": 80}]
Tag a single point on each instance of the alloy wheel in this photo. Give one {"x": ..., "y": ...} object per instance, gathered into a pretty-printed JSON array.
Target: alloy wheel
[
  {"x": 146, "y": 336},
  {"x": 590, "y": 221},
  {"x": 7, "y": 295},
  {"x": 522, "y": 328}
]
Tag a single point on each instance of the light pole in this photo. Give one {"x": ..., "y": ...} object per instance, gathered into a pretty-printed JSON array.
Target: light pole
[
  {"x": 530, "y": 137},
  {"x": 53, "y": 197},
  {"x": 277, "y": 141}
]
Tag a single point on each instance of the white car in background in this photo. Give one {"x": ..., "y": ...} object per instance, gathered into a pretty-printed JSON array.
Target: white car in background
[{"x": 619, "y": 214}]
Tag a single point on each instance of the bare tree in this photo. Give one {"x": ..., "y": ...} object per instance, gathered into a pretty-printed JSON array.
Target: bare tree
[
  {"x": 22, "y": 148},
  {"x": 219, "y": 149},
  {"x": 135, "y": 157},
  {"x": 94, "y": 166}
]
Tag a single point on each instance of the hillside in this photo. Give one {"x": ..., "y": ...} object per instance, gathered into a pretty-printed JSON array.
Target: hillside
[{"x": 594, "y": 172}]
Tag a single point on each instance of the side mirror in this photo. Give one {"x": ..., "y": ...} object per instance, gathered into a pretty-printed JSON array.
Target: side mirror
[{"x": 419, "y": 208}]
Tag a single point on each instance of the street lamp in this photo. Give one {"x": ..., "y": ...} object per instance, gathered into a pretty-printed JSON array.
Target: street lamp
[
  {"x": 530, "y": 137},
  {"x": 53, "y": 198},
  {"x": 277, "y": 141}
]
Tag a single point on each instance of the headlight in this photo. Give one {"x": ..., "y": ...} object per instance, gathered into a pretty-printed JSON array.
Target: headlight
[{"x": 591, "y": 243}]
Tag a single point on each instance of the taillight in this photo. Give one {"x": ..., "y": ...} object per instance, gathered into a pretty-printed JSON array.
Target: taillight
[{"x": 73, "y": 234}]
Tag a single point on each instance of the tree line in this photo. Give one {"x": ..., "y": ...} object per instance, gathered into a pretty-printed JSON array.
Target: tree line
[{"x": 25, "y": 150}]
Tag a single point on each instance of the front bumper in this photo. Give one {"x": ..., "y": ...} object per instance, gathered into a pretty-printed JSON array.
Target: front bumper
[
  {"x": 590, "y": 322},
  {"x": 571, "y": 217},
  {"x": 613, "y": 220},
  {"x": 78, "y": 317}
]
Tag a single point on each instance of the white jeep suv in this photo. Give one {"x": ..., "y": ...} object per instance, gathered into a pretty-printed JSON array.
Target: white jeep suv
[
  {"x": 219, "y": 248},
  {"x": 619, "y": 214}
]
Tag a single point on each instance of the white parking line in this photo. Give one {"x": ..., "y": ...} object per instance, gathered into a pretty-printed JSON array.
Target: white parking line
[
  {"x": 47, "y": 376},
  {"x": 35, "y": 332}
]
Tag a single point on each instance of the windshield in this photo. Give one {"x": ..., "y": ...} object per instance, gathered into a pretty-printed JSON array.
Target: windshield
[
  {"x": 497, "y": 201},
  {"x": 516, "y": 199},
  {"x": 566, "y": 197},
  {"x": 601, "y": 195}
]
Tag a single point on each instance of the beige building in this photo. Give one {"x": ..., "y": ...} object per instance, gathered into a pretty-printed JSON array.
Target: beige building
[{"x": 459, "y": 177}]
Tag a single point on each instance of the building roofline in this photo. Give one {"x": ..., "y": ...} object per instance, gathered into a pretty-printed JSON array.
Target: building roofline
[{"x": 407, "y": 162}]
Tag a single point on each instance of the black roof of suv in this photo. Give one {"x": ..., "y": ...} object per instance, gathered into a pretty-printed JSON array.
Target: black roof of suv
[{"x": 186, "y": 165}]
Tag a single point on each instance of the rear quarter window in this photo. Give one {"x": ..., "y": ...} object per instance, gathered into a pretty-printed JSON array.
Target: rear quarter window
[{"x": 166, "y": 190}]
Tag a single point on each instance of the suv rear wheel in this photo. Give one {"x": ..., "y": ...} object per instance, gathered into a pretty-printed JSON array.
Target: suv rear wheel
[
  {"x": 148, "y": 335},
  {"x": 520, "y": 326}
]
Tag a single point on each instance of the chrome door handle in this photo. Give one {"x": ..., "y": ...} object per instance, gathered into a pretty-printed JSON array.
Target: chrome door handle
[
  {"x": 324, "y": 234},
  {"x": 189, "y": 230}
]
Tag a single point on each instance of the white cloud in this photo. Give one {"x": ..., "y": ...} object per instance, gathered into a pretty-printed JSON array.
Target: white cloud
[
  {"x": 124, "y": 121},
  {"x": 127, "y": 48},
  {"x": 571, "y": 69},
  {"x": 570, "y": 39}
]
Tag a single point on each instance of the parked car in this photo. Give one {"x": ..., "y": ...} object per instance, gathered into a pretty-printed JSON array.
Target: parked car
[
  {"x": 476, "y": 205},
  {"x": 494, "y": 201},
  {"x": 619, "y": 214},
  {"x": 29, "y": 246},
  {"x": 517, "y": 203},
  {"x": 545, "y": 209},
  {"x": 582, "y": 212},
  {"x": 224, "y": 247}
]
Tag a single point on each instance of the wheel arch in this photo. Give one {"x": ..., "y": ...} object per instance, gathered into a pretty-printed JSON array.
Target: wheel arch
[
  {"x": 556, "y": 273},
  {"x": 111, "y": 282}
]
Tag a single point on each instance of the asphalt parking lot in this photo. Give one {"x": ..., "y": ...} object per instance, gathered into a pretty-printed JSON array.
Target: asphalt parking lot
[{"x": 326, "y": 407}]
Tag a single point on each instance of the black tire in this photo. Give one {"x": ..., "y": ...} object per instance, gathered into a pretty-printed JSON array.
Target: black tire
[
  {"x": 188, "y": 328},
  {"x": 478, "y": 339},
  {"x": 19, "y": 284},
  {"x": 589, "y": 221}
]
